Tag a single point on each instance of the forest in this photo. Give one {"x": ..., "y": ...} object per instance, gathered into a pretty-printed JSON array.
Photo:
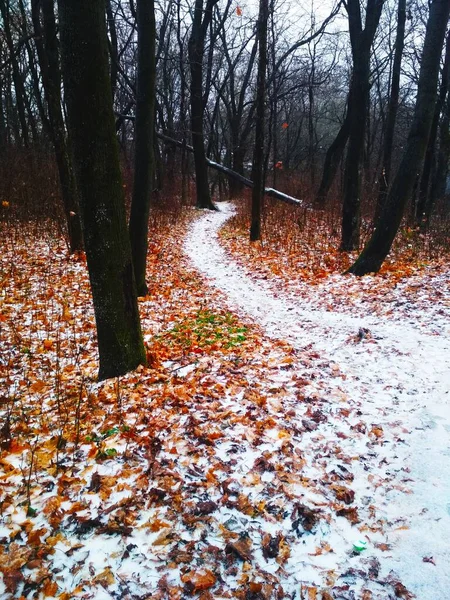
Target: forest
[{"x": 224, "y": 299}]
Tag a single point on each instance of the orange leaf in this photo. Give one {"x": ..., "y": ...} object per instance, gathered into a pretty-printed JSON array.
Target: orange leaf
[
  {"x": 239, "y": 11},
  {"x": 199, "y": 581},
  {"x": 50, "y": 588}
]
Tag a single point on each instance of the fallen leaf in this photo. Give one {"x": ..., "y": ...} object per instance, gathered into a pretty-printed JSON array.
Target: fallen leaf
[{"x": 198, "y": 581}]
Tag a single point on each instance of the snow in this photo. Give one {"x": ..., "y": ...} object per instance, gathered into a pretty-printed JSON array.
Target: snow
[{"x": 399, "y": 380}]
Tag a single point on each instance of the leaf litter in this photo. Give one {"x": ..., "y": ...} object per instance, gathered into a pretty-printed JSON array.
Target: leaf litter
[{"x": 235, "y": 466}]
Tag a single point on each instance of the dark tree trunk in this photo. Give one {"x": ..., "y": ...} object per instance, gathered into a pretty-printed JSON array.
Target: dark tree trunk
[
  {"x": 144, "y": 140},
  {"x": 361, "y": 42},
  {"x": 392, "y": 108},
  {"x": 34, "y": 77},
  {"x": 439, "y": 182},
  {"x": 113, "y": 47},
  {"x": 333, "y": 159},
  {"x": 48, "y": 56},
  {"x": 424, "y": 203},
  {"x": 183, "y": 158},
  {"x": 17, "y": 77},
  {"x": 258, "y": 154},
  {"x": 379, "y": 245},
  {"x": 90, "y": 116},
  {"x": 196, "y": 49}
]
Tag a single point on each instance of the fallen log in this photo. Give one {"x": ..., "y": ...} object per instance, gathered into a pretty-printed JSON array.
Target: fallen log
[{"x": 218, "y": 167}]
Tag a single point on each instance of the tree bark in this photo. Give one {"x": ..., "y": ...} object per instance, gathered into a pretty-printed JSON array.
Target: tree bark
[
  {"x": 392, "y": 108},
  {"x": 144, "y": 140},
  {"x": 196, "y": 48},
  {"x": 361, "y": 42},
  {"x": 379, "y": 245},
  {"x": 258, "y": 154},
  {"x": 424, "y": 202},
  {"x": 48, "y": 57},
  {"x": 90, "y": 118}
]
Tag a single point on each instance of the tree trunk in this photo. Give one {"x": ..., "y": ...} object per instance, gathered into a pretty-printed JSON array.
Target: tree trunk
[
  {"x": 333, "y": 158},
  {"x": 144, "y": 140},
  {"x": 392, "y": 108},
  {"x": 48, "y": 56},
  {"x": 196, "y": 47},
  {"x": 17, "y": 77},
  {"x": 90, "y": 118},
  {"x": 424, "y": 203},
  {"x": 438, "y": 185},
  {"x": 258, "y": 154},
  {"x": 379, "y": 245},
  {"x": 361, "y": 42},
  {"x": 113, "y": 47}
]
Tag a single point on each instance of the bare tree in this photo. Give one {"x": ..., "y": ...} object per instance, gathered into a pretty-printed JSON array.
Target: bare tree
[{"x": 379, "y": 245}]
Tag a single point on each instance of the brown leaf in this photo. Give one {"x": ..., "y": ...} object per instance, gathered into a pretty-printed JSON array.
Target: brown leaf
[
  {"x": 343, "y": 494},
  {"x": 270, "y": 545},
  {"x": 11, "y": 579},
  {"x": 205, "y": 508},
  {"x": 349, "y": 513},
  {"x": 304, "y": 516},
  {"x": 198, "y": 581},
  {"x": 241, "y": 548}
]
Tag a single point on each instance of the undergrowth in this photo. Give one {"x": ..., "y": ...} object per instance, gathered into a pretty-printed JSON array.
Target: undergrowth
[{"x": 300, "y": 242}]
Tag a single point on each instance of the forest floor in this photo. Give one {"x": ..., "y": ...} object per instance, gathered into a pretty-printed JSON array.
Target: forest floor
[{"x": 289, "y": 438}]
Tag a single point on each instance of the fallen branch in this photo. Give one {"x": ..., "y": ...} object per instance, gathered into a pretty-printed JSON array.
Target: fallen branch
[{"x": 218, "y": 167}]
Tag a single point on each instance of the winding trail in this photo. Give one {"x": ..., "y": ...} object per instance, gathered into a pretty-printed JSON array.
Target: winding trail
[{"x": 401, "y": 377}]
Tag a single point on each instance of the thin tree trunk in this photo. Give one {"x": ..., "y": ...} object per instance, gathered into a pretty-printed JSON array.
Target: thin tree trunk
[
  {"x": 440, "y": 180},
  {"x": 144, "y": 140},
  {"x": 17, "y": 77},
  {"x": 258, "y": 154},
  {"x": 392, "y": 108},
  {"x": 48, "y": 56},
  {"x": 379, "y": 245},
  {"x": 424, "y": 205},
  {"x": 113, "y": 47},
  {"x": 333, "y": 159},
  {"x": 90, "y": 116},
  {"x": 196, "y": 49}
]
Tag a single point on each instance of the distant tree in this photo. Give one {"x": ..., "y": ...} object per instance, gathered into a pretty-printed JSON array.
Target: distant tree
[
  {"x": 144, "y": 140},
  {"x": 90, "y": 117},
  {"x": 258, "y": 154},
  {"x": 379, "y": 245},
  {"x": 196, "y": 48},
  {"x": 21, "y": 99},
  {"x": 391, "y": 117},
  {"x": 426, "y": 198},
  {"x": 47, "y": 46}
]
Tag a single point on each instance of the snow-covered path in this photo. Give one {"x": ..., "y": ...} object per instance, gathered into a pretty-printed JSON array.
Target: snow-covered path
[{"x": 399, "y": 378}]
